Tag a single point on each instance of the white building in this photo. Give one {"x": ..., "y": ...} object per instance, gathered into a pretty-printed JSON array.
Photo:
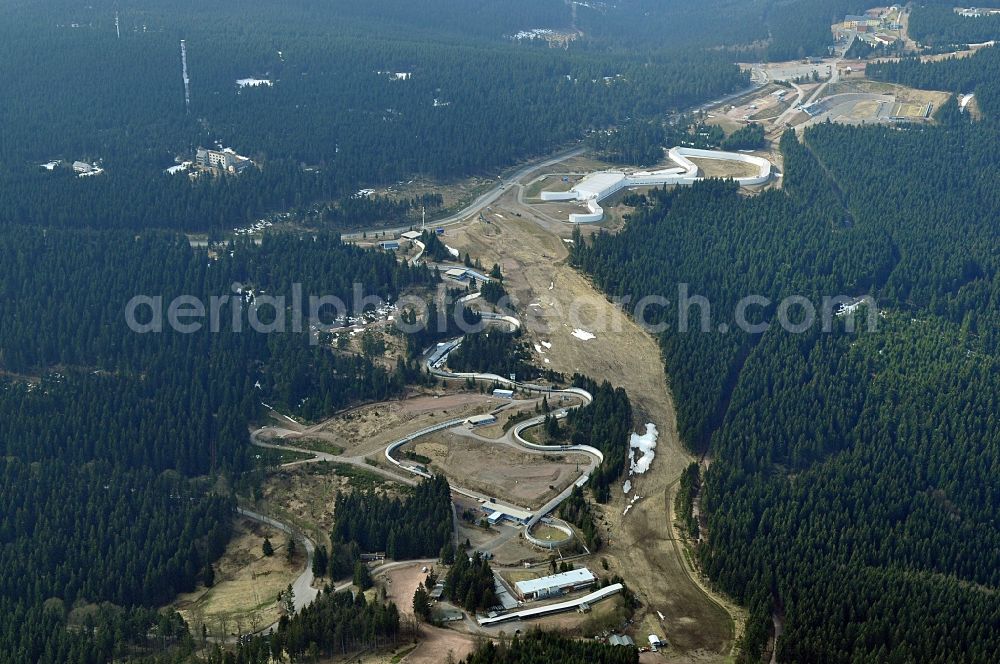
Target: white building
[
  {"x": 555, "y": 585},
  {"x": 503, "y": 394},
  {"x": 511, "y": 513},
  {"x": 224, "y": 160},
  {"x": 481, "y": 420},
  {"x": 598, "y": 186}
]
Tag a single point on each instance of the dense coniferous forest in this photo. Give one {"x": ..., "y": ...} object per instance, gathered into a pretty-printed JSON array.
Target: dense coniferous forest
[
  {"x": 937, "y": 23},
  {"x": 373, "y": 101},
  {"x": 605, "y": 423},
  {"x": 850, "y": 488},
  {"x": 975, "y": 74},
  {"x": 416, "y": 526},
  {"x": 750, "y": 137},
  {"x": 469, "y": 583},
  {"x": 493, "y": 351},
  {"x": 577, "y": 511},
  {"x": 111, "y": 438},
  {"x": 357, "y": 99},
  {"x": 335, "y": 624},
  {"x": 550, "y": 647},
  {"x": 853, "y": 486}
]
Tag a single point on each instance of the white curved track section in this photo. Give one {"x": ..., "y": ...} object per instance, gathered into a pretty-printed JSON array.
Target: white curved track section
[
  {"x": 436, "y": 357},
  {"x": 598, "y": 186}
]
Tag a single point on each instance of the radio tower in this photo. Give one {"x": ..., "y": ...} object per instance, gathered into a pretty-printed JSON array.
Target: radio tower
[{"x": 187, "y": 81}]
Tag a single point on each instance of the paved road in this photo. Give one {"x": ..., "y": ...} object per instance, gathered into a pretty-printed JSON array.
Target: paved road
[
  {"x": 303, "y": 585},
  {"x": 484, "y": 200},
  {"x": 356, "y": 461}
]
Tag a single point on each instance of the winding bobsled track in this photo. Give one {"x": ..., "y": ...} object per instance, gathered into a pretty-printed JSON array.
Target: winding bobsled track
[
  {"x": 598, "y": 186},
  {"x": 435, "y": 359}
]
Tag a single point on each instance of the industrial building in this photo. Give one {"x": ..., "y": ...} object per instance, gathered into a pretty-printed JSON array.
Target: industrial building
[
  {"x": 555, "y": 585},
  {"x": 620, "y": 640},
  {"x": 499, "y": 513},
  {"x": 225, "y": 160},
  {"x": 596, "y": 187},
  {"x": 457, "y": 273},
  {"x": 503, "y": 394},
  {"x": 389, "y": 245},
  {"x": 481, "y": 420}
]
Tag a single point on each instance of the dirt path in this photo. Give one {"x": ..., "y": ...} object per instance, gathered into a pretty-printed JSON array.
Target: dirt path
[{"x": 556, "y": 301}]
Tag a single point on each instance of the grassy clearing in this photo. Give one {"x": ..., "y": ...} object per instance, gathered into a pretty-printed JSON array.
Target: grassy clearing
[
  {"x": 268, "y": 457},
  {"x": 398, "y": 657},
  {"x": 244, "y": 597},
  {"x": 513, "y": 576},
  {"x": 550, "y": 183},
  {"x": 304, "y": 495},
  {"x": 317, "y": 445},
  {"x": 548, "y": 533}
]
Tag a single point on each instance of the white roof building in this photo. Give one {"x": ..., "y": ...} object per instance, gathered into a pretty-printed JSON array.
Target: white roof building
[
  {"x": 411, "y": 235},
  {"x": 556, "y": 583},
  {"x": 512, "y": 512}
]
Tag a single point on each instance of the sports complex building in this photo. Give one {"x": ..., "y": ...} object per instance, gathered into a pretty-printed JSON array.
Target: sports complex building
[{"x": 596, "y": 187}]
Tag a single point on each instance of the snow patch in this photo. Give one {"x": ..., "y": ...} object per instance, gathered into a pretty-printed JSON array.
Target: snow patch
[
  {"x": 583, "y": 335},
  {"x": 179, "y": 168},
  {"x": 451, "y": 250},
  {"x": 253, "y": 82},
  {"x": 627, "y": 487},
  {"x": 646, "y": 445}
]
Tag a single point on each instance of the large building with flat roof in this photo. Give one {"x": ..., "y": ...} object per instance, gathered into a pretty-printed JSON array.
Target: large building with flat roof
[
  {"x": 504, "y": 512},
  {"x": 555, "y": 585},
  {"x": 481, "y": 420}
]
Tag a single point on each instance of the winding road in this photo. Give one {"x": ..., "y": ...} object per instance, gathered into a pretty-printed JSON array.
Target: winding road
[{"x": 483, "y": 200}]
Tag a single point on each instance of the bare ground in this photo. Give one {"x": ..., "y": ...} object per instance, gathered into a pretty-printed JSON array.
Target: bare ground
[
  {"x": 502, "y": 470},
  {"x": 435, "y": 642},
  {"x": 366, "y": 431},
  {"x": 716, "y": 168},
  {"x": 642, "y": 549}
]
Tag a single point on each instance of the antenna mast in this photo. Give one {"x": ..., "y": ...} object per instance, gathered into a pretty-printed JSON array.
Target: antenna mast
[{"x": 184, "y": 74}]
